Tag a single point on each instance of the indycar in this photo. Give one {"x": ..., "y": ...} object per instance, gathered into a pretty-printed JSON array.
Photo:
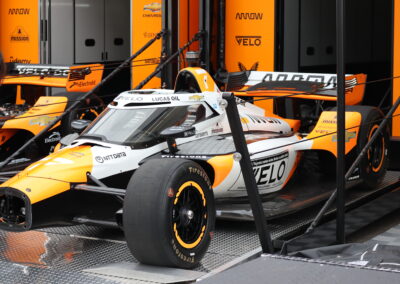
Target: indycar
[
  {"x": 32, "y": 96},
  {"x": 156, "y": 162}
]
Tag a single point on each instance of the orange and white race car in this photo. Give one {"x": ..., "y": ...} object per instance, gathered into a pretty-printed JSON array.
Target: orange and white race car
[
  {"x": 157, "y": 161},
  {"x": 32, "y": 96}
]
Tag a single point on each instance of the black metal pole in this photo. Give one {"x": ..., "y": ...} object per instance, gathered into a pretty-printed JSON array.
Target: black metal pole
[
  {"x": 166, "y": 62},
  {"x": 248, "y": 176},
  {"x": 76, "y": 103},
  {"x": 221, "y": 36},
  {"x": 340, "y": 165},
  {"x": 332, "y": 198}
]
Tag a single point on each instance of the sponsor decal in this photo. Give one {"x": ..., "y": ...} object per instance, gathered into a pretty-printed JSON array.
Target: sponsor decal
[
  {"x": 348, "y": 136},
  {"x": 217, "y": 130},
  {"x": 180, "y": 254},
  {"x": 102, "y": 159},
  {"x": 82, "y": 84},
  {"x": 249, "y": 40},
  {"x": 152, "y": 60},
  {"x": 249, "y": 16},
  {"x": 323, "y": 131},
  {"x": 186, "y": 156},
  {"x": 196, "y": 97},
  {"x": 149, "y": 35},
  {"x": 165, "y": 99},
  {"x": 129, "y": 98},
  {"x": 41, "y": 70},
  {"x": 243, "y": 68},
  {"x": 79, "y": 74},
  {"x": 42, "y": 120},
  {"x": 19, "y": 11},
  {"x": 154, "y": 9},
  {"x": 19, "y": 60},
  {"x": 327, "y": 80},
  {"x": 329, "y": 121},
  {"x": 259, "y": 119},
  {"x": 19, "y": 35},
  {"x": 54, "y": 137},
  {"x": 269, "y": 171}
]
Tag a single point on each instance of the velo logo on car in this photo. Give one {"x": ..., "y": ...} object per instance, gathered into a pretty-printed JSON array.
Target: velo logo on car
[
  {"x": 102, "y": 159},
  {"x": 269, "y": 171}
]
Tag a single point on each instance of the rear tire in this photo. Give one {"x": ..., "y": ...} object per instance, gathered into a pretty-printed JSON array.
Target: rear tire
[
  {"x": 373, "y": 165},
  {"x": 169, "y": 213}
]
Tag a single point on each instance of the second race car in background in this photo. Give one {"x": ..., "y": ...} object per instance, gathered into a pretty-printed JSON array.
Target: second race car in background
[{"x": 32, "y": 96}]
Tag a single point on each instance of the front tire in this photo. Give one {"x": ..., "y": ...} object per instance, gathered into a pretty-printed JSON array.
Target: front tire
[{"x": 169, "y": 213}]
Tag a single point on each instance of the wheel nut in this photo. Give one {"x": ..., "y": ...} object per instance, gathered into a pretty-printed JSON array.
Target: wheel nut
[{"x": 190, "y": 214}]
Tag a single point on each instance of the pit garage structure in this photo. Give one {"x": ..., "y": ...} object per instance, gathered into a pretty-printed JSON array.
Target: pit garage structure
[{"x": 82, "y": 245}]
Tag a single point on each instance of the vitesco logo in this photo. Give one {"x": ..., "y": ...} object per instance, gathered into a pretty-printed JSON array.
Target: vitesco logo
[
  {"x": 248, "y": 40},
  {"x": 249, "y": 16},
  {"x": 99, "y": 159}
]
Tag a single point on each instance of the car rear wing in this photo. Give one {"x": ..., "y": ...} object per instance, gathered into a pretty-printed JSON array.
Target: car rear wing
[
  {"x": 80, "y": 78},
  {"x": 317, "y": 86}
]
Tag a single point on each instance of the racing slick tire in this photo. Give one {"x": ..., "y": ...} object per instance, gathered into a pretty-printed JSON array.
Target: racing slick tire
[
  {"x": 373, "y": 165},
  {"x": 169, "y": 213}
]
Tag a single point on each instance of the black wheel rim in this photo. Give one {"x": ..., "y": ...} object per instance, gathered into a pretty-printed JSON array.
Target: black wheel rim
[
  {"x": 376, "y": 152},
  {"x": 189, "y": 215}
]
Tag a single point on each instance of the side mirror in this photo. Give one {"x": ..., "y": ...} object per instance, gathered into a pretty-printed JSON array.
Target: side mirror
[
  {"x": 79, "y": 125},
  {"x": 173, "y": 132},
  {"x": 67, "y": 140},
  {"x": 178, "y": 132}
]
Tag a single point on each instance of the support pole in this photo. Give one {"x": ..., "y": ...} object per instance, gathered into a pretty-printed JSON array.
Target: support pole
[
  {"x": 248, "y": 176},
  {"x": 162, "y": 65},
  {"x": 341, "y": 92}
]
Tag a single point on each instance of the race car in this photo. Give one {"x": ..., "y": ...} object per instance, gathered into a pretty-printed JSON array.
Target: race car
[
  {"x": 32, "y": 96},
  {"x": 157, "y": 161}
]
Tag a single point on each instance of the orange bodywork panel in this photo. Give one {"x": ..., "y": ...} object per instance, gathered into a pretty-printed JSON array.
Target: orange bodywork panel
[
  {"x": 36, "y": 81},
  {"x": 222, "y": 166},
  {"x": 84, "y": 78},
  {"x": 55, "y": 173},
  {"x": 45, "y": 110},
  {"x": 324, "y": 134},
  {"x": 6, "y": 134},
  {"x": 203, "y": 79}
]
